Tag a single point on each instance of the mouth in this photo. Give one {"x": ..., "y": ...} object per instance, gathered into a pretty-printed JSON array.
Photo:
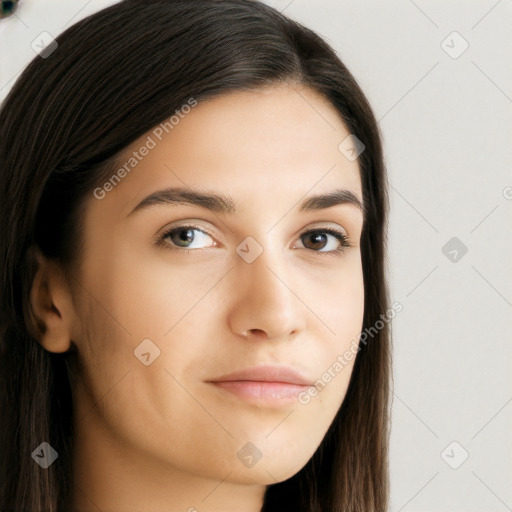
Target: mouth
[{"x": 273, "y": 386}]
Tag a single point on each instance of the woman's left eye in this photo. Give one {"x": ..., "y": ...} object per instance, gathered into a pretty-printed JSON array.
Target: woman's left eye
[
  {"x": 183, "y": 238},
  {"x": 319, "y": 237}
]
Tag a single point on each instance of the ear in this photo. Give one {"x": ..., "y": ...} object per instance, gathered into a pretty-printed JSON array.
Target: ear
[{"x": 51, "y": 306}]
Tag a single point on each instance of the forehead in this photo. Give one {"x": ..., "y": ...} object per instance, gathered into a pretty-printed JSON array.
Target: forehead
[{"x": 257, "y": 144}]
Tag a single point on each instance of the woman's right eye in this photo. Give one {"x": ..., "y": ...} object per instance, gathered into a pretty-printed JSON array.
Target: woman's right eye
[{"x": 179, "y": 238}]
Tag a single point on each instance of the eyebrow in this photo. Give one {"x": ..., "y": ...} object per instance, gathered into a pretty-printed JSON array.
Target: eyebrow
[{"x": 221, "y": 203}]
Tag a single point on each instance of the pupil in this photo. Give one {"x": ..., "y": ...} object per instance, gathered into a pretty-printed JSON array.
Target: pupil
[
  {"x": 318, "y": 239},
  {"x": 185, "y": 235}
]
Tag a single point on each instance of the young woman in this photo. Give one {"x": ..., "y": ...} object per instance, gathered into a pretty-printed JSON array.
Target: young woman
[{"x": 193, "y": 217}]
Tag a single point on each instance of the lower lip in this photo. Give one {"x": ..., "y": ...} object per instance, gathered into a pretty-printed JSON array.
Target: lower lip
[{"x": 263, "y": 393}]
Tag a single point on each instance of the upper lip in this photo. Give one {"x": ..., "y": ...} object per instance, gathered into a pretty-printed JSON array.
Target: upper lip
[{"x": 266, "y": 373}]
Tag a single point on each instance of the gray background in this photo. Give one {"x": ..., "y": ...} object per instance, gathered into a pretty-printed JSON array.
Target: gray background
[{"x": 447, "y": 124}]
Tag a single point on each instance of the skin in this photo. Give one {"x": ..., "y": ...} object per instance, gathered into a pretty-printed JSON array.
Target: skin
[{"x": 159, "y": 437}]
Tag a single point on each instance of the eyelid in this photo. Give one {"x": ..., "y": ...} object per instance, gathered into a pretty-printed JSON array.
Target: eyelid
[
  {"x": 188, "y": 222},
  {"x": 326, "y": 225}
]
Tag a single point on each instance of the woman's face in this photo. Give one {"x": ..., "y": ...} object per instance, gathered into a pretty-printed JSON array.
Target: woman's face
[{"x": 161, "y": 315}]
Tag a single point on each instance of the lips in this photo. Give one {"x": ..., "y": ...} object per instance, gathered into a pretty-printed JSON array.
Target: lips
[
  {"x": 267, "y": 373},
  {"x": 268, "y": 386}
]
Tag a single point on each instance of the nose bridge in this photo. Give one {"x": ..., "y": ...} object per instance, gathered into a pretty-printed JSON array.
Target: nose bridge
[{"x": 267, "y": 275}]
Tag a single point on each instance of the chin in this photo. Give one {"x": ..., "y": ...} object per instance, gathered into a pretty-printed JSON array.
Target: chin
[{"x": 275, "y": 465}]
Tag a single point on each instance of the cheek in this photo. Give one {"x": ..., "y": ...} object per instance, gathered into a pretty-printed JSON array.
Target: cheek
[
  {"x": 339, "y": 301},
  {"x": 340, "y": 306},
  {"x": 146, "y": 289}
]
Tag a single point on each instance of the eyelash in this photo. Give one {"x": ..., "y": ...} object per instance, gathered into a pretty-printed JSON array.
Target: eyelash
[{"x": 342, "y": 238}]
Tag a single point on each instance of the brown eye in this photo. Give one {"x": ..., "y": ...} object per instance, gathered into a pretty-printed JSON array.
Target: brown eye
[{"x": 318, "y": 239}]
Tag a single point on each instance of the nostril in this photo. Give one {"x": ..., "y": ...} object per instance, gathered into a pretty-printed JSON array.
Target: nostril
[{"x": 257, "y": 332}]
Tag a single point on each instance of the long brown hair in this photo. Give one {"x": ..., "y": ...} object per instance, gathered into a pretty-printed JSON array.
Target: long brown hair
[{"x": 113, "y": 76}]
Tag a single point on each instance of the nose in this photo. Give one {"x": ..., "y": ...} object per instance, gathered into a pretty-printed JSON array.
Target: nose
[{"x": 265, "y": 304}]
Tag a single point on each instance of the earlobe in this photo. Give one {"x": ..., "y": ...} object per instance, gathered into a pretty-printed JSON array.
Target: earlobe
[{"x": 50, "y": 307}]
